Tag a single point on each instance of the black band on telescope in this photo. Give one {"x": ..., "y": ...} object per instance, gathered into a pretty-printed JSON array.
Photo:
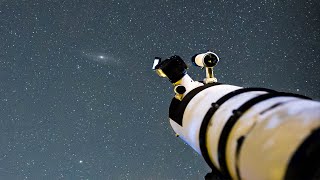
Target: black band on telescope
[
  {"x": 210, "y": 113},
  {"x": 235, "y": 117},
  {"x": 177, "y": 108}
]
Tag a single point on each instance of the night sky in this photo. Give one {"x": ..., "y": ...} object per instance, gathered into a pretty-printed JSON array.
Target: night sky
[{"x": 78, "y": 98}]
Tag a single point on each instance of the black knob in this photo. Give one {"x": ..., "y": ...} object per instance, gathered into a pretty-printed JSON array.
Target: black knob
[{"x": 180, "y": 89}]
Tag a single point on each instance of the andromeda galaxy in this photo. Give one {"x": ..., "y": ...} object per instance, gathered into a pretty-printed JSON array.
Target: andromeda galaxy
[{"x": 101, "y": 58}]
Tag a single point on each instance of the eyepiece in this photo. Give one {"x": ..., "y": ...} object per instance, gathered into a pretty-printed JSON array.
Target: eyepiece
[{"x": 174, "y": 68}]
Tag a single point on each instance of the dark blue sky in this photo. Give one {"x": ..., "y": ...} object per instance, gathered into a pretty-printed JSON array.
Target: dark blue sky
[{"x": 78, "y": 98}]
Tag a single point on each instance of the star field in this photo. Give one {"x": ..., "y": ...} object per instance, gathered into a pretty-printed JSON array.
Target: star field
[{"x": 78, "y": 98}]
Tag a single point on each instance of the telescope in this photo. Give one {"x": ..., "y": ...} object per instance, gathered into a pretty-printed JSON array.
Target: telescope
[{"x": 243, "y": 133}]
